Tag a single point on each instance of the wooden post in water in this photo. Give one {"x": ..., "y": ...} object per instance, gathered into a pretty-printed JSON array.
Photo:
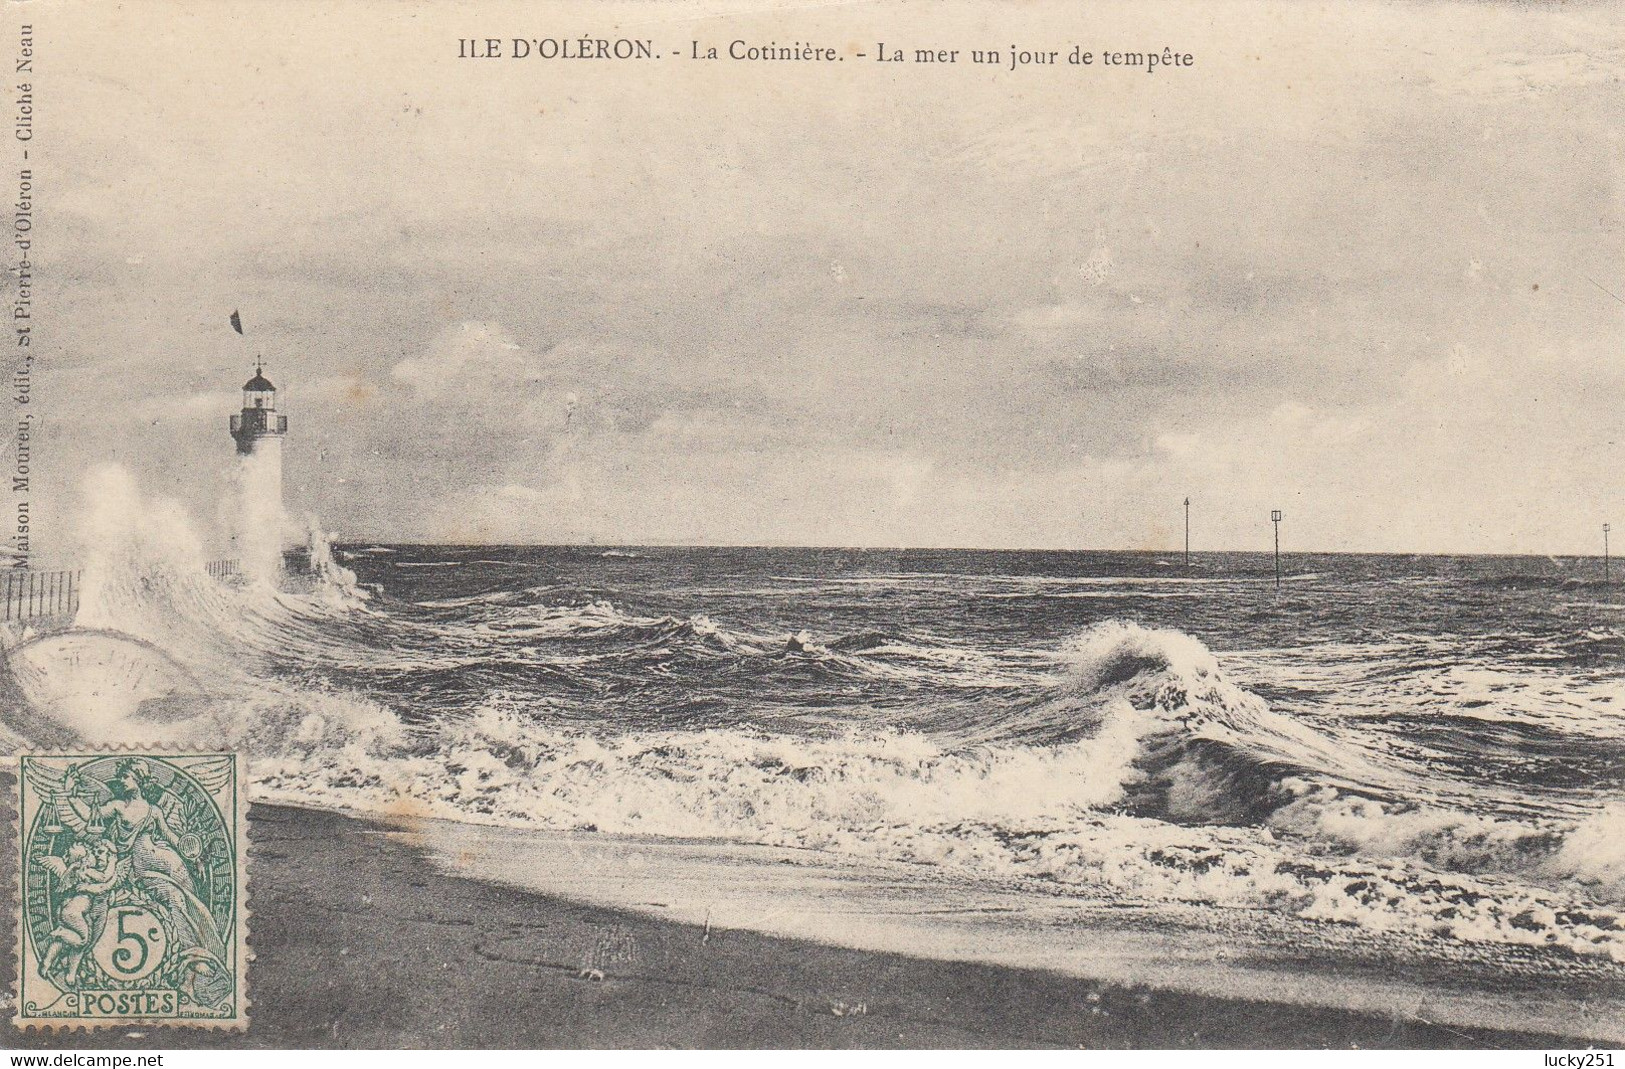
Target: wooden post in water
[
  {"x": 1275, "y": 518},
  {"x": 1187, "y": 532},
  {"x": 1605, "y": 529}
]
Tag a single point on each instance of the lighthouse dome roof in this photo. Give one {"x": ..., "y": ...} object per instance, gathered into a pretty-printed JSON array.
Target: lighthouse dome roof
[{"x": 259, "y": 383}]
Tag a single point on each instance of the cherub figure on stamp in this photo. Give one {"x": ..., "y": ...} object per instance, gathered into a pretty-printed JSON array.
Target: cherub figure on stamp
[
  {"x": 132, "y": 889},
  {"x": 87, "y": 874}
]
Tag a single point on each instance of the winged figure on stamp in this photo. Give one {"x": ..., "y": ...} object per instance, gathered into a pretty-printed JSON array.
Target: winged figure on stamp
[
  {"x": 135, "y": 840},
  {"x": 86, "y": 873}
]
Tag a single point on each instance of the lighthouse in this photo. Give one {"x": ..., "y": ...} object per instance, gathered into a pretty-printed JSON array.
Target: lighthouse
[{"x": 258, "y": 431}]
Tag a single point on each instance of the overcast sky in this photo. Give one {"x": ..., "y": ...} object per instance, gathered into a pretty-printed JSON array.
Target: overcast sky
[{"x": 1350, "y": 265}]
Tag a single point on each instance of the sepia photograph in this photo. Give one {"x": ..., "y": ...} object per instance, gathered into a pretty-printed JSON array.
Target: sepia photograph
[{"x": 737, "y": 524}]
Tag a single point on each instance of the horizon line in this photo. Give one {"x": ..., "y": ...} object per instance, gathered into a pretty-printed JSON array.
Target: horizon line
[{"x": 344, "y": 543}]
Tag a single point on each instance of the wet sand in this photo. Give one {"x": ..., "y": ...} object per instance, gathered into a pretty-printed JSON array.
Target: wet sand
[{"x": 362, "y": 941}]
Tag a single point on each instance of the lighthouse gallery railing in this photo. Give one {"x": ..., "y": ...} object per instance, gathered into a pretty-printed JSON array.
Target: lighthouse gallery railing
[{"x": 260, "y": 423}]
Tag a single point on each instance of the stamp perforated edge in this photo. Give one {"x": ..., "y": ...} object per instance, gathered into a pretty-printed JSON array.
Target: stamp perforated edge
[{"x": 242, "y": 951}]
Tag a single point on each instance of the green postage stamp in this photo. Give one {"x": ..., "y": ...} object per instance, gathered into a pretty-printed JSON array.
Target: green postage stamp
[{"x": 132, "y": 893}]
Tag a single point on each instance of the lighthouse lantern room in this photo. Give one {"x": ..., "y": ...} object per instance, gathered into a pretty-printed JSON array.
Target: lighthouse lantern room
[{"x": 259, "y": 419}]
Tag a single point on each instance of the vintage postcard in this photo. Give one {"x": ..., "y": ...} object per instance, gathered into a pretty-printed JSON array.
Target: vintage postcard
[
  {"x": 748, "y": 524},
  {"x": 131, "y": 891}
]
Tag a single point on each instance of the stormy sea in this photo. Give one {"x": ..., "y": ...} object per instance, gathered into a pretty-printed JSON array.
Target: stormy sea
[{"x": 1390, "y": 755}]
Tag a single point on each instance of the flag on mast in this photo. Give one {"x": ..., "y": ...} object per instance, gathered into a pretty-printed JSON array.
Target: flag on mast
[{"x": 236, "y": 322}]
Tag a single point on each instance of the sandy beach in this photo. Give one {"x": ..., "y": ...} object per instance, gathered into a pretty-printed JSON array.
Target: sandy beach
[{"x": 402, "y": 952}]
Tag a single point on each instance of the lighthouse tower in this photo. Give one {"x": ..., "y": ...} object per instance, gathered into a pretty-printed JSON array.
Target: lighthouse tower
[{"x": 259, "y": 431}]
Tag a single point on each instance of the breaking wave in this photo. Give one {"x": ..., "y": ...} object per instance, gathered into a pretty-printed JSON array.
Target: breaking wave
[{"x": 1123, "y": 763}]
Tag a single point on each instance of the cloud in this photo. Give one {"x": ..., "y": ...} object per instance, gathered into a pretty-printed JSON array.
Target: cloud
[
  {"x": 1514, "y": 73},
  {"x": 509, "y": 514},
  {"x": 554, "y": 310},
  {"x": 464, "y": 352}
]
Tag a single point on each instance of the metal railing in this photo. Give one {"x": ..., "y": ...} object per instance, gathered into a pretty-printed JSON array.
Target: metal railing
[
  {"x": 30, "y": 594},
  {"x": 259, "y": 421},
  {"x": 26, "y": 594},
  {"x": 223, "y": 569}
]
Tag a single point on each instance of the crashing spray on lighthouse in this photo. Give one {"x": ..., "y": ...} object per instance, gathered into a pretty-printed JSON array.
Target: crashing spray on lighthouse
[{"x": 259, "y": 430}]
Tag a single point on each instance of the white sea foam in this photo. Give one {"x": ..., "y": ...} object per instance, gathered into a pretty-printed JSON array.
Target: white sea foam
[
  {"x": 1134, "y": 769},
  {"x": 1594, "y": 852}
]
